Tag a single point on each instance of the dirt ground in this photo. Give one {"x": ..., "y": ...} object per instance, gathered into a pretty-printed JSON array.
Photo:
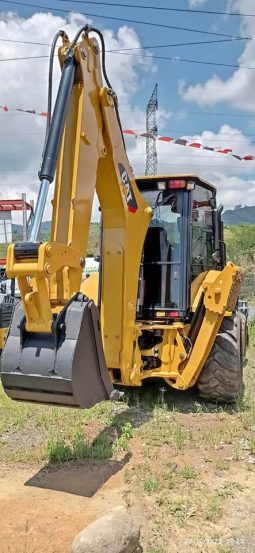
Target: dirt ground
[
  {"x": 188, "y": 468},
  {"x": 41, "y": 510},
  {"x": 42, "y": 507}
]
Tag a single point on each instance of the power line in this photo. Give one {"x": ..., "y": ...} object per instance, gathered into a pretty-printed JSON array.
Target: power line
[
  {"x": 25, "y": 58},
  {"x": 24, "y": 42},
  {"x": 19, "y": 170},
  {"x": 178, "y": 44},
  {"x": 184, "y": 60},
  {"x": 159, "y": 8},
  {"x": 123, "y": 51},
  {"x": 125, "y": 20},
  {"x": 152, "y": 46},
  {"x": 21, "y": 133},
  {"x": 166, "y": 58}
]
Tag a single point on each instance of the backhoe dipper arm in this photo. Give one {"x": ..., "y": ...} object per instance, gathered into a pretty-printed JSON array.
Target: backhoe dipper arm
[{"x": 85, "y": 141}]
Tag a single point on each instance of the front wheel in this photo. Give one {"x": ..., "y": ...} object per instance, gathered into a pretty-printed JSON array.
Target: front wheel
[{"x": 221, "y": 378}]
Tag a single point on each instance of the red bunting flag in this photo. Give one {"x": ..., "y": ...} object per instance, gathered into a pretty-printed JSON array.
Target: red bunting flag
[
  {"x": 131, "y": 132},
  {"x": 198, "y": 145}
]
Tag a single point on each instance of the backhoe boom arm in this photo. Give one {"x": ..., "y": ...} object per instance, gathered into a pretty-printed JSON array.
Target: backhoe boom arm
[{"x": 85, "y": 141}]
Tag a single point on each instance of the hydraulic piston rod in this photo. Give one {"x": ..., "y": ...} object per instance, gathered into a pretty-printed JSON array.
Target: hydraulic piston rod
[{"x": 40, "y": 206}]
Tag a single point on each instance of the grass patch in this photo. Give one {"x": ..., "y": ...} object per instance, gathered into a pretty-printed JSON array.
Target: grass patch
[
  {"x": 182, "y": 437},
  {"x": 122, "y": 443},
  {"x": 180, "y": 509},
  {"x": 30, "y": 432},
  {"x": 60, "y": 450},
  {"x": 214, "y": 503},
  {"x": 150, "y": 485},
  {"x": 214, "y": 508},
  {"x": 188, "y": 473},
  {"x": 222, "y": 464},
  {"x": 102, "y": 447}
]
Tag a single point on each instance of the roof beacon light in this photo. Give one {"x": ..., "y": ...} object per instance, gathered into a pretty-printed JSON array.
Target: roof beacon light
[
  {"x": 174, "y": 314},
  {"x": 174, "y": 183}
]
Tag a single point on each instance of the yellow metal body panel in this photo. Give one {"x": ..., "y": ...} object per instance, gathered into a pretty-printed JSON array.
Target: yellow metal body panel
[
  {"x": 221, "y": 289},
  {"x": 52, "y": 259},
  {"x": 124, "y": 233},
  {"x": 3, "y": 334},
  {"x": 89, "y": 287},
  {"x": 195, "y": 291}
]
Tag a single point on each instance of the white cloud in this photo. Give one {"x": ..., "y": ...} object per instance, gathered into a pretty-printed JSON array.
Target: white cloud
[
  {"x": 238, "y": 88},
  {"x": 24, "y": 85},
  {"x": 196, "y": 3}
]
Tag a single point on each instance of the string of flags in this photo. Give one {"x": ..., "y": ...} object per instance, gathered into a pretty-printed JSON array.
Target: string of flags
[
  {"x": 184, "y": 142},
  {"x": 169, "y": 139},
  {"x": 32, "y": 111}
]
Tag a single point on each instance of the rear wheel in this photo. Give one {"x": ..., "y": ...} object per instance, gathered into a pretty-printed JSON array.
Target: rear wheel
[{"x": 221, "y": 378}]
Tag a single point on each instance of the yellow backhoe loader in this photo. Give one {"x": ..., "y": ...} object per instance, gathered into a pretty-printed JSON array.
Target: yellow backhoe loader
[{"x": 165, "y": 305}]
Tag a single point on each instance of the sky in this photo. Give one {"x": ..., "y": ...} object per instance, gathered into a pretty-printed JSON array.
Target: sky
[{"x": 204, "y": 64}]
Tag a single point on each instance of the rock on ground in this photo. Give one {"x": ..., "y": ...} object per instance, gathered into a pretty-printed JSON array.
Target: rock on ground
[{"x": 116, "y": 532}]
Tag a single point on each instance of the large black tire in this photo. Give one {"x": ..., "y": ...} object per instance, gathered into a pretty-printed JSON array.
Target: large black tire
[{"x": 221, "y": 379}]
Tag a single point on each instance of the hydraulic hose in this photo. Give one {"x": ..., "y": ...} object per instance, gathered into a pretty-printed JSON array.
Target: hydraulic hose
[
  {"x": 50, "y": 77},
  {"x": 106, "y": 78}
]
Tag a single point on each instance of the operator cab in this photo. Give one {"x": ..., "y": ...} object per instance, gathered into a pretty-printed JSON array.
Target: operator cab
[{"x": 184, "y": 239}]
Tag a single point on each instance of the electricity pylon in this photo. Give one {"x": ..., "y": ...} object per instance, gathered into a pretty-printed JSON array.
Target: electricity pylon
[{"x": 151, "y": 127}]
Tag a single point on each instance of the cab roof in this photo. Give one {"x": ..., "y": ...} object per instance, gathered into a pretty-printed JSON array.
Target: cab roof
[{"x": 186, "y": 176}]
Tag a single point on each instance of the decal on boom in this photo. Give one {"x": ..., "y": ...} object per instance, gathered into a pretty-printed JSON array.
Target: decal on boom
[{"x": 128, "y": 191}]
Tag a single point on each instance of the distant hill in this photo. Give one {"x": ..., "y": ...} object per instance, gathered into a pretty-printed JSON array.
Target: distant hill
[
  {"x": 17, "y": 229},
  {"x": 237, "y": 216},
  {"x": 240, "y": 215}
]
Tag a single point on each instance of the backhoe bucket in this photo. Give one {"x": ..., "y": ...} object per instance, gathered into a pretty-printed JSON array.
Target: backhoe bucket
[{"x": 65, "y": 367}]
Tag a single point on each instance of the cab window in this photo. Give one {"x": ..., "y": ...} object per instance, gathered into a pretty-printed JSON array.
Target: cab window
[{"x": 202, "y": 231}]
